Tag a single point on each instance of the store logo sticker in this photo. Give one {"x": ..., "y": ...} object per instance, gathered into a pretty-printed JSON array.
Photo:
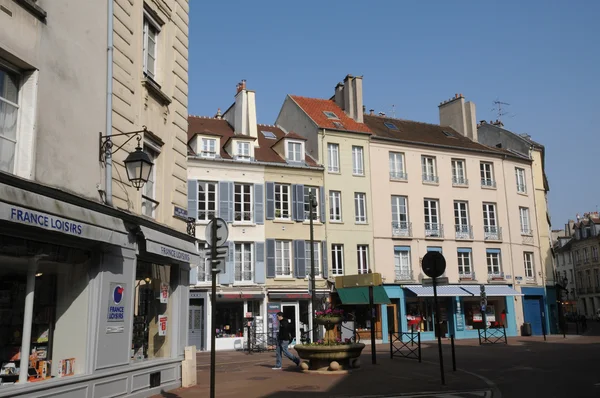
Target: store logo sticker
[{"x": 118, "y": 294}]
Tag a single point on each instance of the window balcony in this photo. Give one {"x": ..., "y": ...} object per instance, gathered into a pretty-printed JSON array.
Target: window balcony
[
  {"x": 466, "y": 276},
  {"x": 398, "y": 176},
  {"x": 434, "y": 230},
  {"x": 404, "y": 275},
  {"x": 463, "y": 231},
  {"x": 460, "y": 182},
  {"x": 495, "y": 276},
  {"x": 488, "y": 183},
  {"x": 402, "y": 229},
  {"x": 521, "y": 188},
  {"x": 431, "y": 179},
  {"x": 492, "y": 233}
]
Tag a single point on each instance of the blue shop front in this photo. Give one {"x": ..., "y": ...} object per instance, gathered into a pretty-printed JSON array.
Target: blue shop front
[{"x": 412, "y": 309}]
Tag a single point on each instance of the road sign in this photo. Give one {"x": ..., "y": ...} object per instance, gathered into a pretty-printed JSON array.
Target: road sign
[
  {"x": 221, "y": 252},
  {"x": 438, "y": 281},
  {"x": 218, "y": 265},
  {"x": 434, "y": 264},
  {"x": 222, "y": 232}
]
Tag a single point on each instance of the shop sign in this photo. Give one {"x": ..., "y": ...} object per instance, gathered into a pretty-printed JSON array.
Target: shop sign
[
  {"x": 42, "y": 220},
  {"x": 162, "y": 325},
  {"x": 116, "y": 302},
  {"x": 460, "y": 321},
  {"x": 164, "y": 293},
  {"x": 180, "y": 213}
]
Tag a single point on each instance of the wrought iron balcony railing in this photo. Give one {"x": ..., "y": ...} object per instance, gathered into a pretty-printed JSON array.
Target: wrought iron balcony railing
[
  {"x": 398, "y": 176},
  {"x": 463, "y": 231},
  {"x": 492, "y": 233},
  {"x": 488, "y": 182},
  {"x": 460, "y": 181},
  {"x": 430, "y": 178},
  {"x": 434, "y": 230},
  {"x": 402, "y": 229}
]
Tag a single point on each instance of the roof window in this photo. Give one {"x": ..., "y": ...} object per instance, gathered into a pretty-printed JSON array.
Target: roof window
[
  {"x": 390, "y": 126},
  {"x": 269, "y": 135},
  {"x": 330, "y": 115}
]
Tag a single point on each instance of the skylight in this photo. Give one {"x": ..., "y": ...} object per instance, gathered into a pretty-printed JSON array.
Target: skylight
[
  {"x": 338, "y": 125},
  {"x": 330, "y": 115},
  {"x": 390, "y": 126},
  {"x": 269, "y": 135},
  {"x": 447, "y": 134}
]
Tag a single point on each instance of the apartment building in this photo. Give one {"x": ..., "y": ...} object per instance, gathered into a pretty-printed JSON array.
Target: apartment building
[
  {"x": 92, "y": 290},
  {"x": 258, "y": 178},
  {"x": 565, "y": 270}
]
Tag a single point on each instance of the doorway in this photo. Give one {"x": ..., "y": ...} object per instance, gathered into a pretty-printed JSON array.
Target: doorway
[
  {"x": 392, "y": 318},
  {"x": 196, "y": 328},
  {"x": 532, "y": 312},
  {"x": 291, "y": 311}
]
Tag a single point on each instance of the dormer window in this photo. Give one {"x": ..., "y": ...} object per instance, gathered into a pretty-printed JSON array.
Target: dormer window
[
  {"x": 208, "y": 148},
  {"x": 294, "y": 151},
  {"x": 243, "y": 151}
]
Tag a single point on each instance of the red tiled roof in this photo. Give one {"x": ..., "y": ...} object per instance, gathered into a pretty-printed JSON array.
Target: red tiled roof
[
  {"x": 221, "y": 128},
  {"x": 314, "y": 108}
]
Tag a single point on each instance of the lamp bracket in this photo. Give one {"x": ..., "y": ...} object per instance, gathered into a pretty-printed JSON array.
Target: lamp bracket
[{"x": 106, "y": 144}]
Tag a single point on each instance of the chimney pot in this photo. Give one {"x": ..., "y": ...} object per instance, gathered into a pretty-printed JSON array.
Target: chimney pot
[
  {"x": 455, "y": 95},
  {"x": 244, "y": 84},
  {"x": 371, "y": 111}
]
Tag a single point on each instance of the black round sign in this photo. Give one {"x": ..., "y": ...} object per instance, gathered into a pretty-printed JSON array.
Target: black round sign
[{"x": 434, "y": 264}]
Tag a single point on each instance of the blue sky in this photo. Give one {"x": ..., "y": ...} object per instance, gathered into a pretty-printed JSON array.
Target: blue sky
[{"x": 541, "y": 57}]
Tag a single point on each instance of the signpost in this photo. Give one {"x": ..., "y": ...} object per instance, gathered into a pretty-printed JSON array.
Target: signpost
[
  {"x": 434, "y": 265},
  {"x": 216, "y": 237}
]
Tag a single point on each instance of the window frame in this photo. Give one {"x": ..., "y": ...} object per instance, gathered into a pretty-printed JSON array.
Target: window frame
[
  {"x": 337, "y": 259},
  {"x": 428, "y": 213},
  {"x": 206, "y": 201},
  {"x": 525, "y": 221},
  {"x": 318, "y": 270},
  {"x": 243, "y": 262},
  {"x": 490, "y": 267},
  {"x": 459, "y": 179},
  {"x": 335, "y": 197},
  {"x": 241, "y": 154},
  {"x": 429, "y": 168},
  {"x": 358, "y": 160},
  {"x": 150, "y": 23},
  {"x": 152, "y": 152},
  {"x": 316, "y": 212},
  {"x": 362, "y": 259},
  {"x": 279, "y": 204},
  {"x": 290, "y": 154},
  {"x": 397, "y": 203},
  {"x": 520, "y": 175},
  {"x": 461, "y": 256},
  {"x": 242, "y": 203},
  {"x": 360, "y": 208},
  {"x": 333, "y": 157},
  {"x": 205, "y": 151},
  {"x": 397, "y": 173},
  {"x": 18, "y": 79},
  {"x": 487, "y": 180},
  {"x": 528, "y": 265},
  {"x": 398, "y": 266},
  {"x": 285, "y": 245}
]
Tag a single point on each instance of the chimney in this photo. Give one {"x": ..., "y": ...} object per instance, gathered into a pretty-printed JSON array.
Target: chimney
[
  {"x": 352, "y": 97},
  {"x": 339, "y": 95},
  {"x": 371, "y": 112},
  {"x": 218, "y": 115},
  {"x": 242, "y": 115},
  {"x": 459, "y": 115}
]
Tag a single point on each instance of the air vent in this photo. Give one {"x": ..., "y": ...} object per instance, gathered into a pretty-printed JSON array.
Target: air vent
[{"x": 154, "y": 379}]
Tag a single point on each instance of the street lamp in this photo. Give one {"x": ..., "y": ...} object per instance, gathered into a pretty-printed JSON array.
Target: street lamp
[
  {"x": 312, "y": 205},
  {"x": 138, "y": 164}
]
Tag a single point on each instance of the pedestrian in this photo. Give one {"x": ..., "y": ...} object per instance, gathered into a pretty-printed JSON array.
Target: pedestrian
[{"x": 283, "y": 340}]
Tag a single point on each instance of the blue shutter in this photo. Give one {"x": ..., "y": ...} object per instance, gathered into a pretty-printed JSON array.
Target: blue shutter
[
  {"x": 322, "y": 203},
  {"x": 434, "y": 249},
  {"x": 270, "y": 258},
  {"x": 299, "y": 202},
  {"x": 224, "y": 200},
  {"x": 228, "y": 276},
  {"x": 231, "y": 199},
  {"x": 193, "y": 199},
  {"x": 259, "y": 263},
  {"x": 324, "y": 254},
  {"x": 492, "y": 250},
  {"x": 259, "y": 208},
  {"x": 464, "y": 250},
  {"x": 299, "y": 259},
  {"x": 194, "y": 275},
  {"x": 270, "y": 196}
]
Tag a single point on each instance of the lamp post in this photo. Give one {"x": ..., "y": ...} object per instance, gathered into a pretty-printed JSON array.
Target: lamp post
[{"x": 312, "y": 205}]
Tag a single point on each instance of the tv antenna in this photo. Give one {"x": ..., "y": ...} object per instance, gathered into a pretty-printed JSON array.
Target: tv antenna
[{"x": 498, "y": 108}]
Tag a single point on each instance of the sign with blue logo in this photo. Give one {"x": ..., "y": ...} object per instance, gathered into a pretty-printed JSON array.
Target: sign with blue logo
[
  {"x": 180, "y": 213},
  {"x": 44, "y": 220},
  {"x": 116, "y": 302}
]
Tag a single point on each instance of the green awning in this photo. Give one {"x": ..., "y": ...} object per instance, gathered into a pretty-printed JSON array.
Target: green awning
[{"x": 360, "y": 295}]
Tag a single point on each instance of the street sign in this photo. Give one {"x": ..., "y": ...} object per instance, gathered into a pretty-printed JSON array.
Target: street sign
[
  {"x": 434, "y": 264},
  {"x": 222, "y": 232},
  {"x": 221, "y": 252},
  {"x": 218, "y": 265},
  {"x": 438, "y": 281}
]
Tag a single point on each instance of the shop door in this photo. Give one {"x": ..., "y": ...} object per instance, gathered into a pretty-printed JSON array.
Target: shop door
[
  {"x": 291, "y": 311},
  {"x": 532, "y": 312},
  {"x": 196, "y": 331},
  {"x": 392, "y": 318}
]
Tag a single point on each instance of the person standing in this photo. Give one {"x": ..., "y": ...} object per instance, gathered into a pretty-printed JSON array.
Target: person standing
[{"x": 283, "y": 340}]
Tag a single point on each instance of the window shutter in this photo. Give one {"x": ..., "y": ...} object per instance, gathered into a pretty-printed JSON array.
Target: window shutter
[
  {"x": 394, "y": 209},
  {"x": 227, "y": 276},
  {"x": 293, "y": 210},
  {"x": 201, "y": 270},
  {"x": 224, "y": 200},
  {"x": 259, "y": 263},
  {"x": 299, "y": 189},
  {"x": 194, "y": 275},
  {"x": 231, "y": 198},
  {"x": 299, "y": 259},
  {"x": 322, "y": 203},
  {"x": 324, "y": 254},
  {"x": 259, "y": 208},
  {"x": 270, "y": 196},
  {"x": 270, "y": 258},
  {"x": 193, "y": 199}
]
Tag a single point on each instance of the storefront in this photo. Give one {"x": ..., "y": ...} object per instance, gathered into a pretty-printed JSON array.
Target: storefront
[
  {"x": 355, "y": 303},
  {"x": 412, "y": 309},
  {"x": 91, "y": 298}
]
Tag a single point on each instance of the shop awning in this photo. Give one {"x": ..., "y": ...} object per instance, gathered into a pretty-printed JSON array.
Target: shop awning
[
  {"x": 494, "y": 290},
  {"x": 171, "y": 247},
  {"x": 442, "y": 291},
  {"x": 360, "y": 295}
]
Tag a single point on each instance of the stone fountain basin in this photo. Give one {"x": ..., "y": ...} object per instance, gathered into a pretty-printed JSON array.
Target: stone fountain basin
[{"x": 330, "y": 358}]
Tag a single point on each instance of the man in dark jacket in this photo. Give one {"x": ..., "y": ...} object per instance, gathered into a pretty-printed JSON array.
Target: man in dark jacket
[{"x": 283, "y": 339}]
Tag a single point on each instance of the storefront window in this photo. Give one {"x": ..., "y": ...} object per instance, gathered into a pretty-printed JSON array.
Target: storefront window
[
  {"x": 230, "y": 319},
  {"x": 152, "y": 321},
  {"x": 419, "y": 315},
  {"x": 495, "y": 313}
]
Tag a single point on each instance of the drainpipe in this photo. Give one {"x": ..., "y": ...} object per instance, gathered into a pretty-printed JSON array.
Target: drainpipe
[{"x": 109, "y": 94}]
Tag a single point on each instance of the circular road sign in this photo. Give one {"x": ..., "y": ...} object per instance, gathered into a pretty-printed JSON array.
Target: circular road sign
[
  {"x": 434, "y": 264},
  {"x": 222, "y": 232}
]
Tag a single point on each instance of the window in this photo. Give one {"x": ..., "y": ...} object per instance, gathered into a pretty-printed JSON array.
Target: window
[
  {"x": 493, "y": 263},
  {"x": 360, "y": 207},
  {"x": 490, "y": 224},
  {"x": 400, "y": 225},
  {"x": 528, "y": 264},
  {"x": 337, "y": 259},
  {"x": 315, "y": 192},
  {"x": 243, "y": 202},
  {"x": 432, "y": 226},
  {"x": 390, "y": 126},
  {"x": 333, "y": 151},
  {"x": 205, "y": 266},
  {"x": 283, "y": 258},
  {"x": 402, "y": 263},
  {"x": 338, "y": 125},
  {"x": 397, "y": 166},
  {"x": 459, "y": 175},
  {"x": 269, "y": 135},
  {"x": 243, "y": 151},
  {"x": 316, "y": 246},
  {"x": 208, "y": 148},
  {"x": 524, "y": 217},
  {"x": 357, "y": 161},
  {"x": 243, "y": 262},
  {"x": 448, "y": 134},
  {"x": 362, "y": 253},
  {"x": 282, "y": 201},
  {"x": 207, "y": 200},
  {"x": 428, "y": 169},
  {"x": 149, "y": 202},
  {"x": 521, "y": 187},
  {"x": 151, "y": 30},
  {"x": 330, "y": 115},
  {"x": 9, "y": 110},
  {"x": 464, "y": 263},
  {"x": 461, "y": 220},
  {"x": 335, "y": 206},
  {"x": 487, "y": 174},
  {"x": 594, "y": 253},
  {"x": 586, "y": 258},
  {"x": 294, "y": 151}
]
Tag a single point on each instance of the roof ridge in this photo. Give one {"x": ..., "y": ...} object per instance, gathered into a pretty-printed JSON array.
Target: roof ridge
[
  {"x": 312, "y": 98},
  {"x": 407, "y": 120},
  {"x": 203, "y": 117}
]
